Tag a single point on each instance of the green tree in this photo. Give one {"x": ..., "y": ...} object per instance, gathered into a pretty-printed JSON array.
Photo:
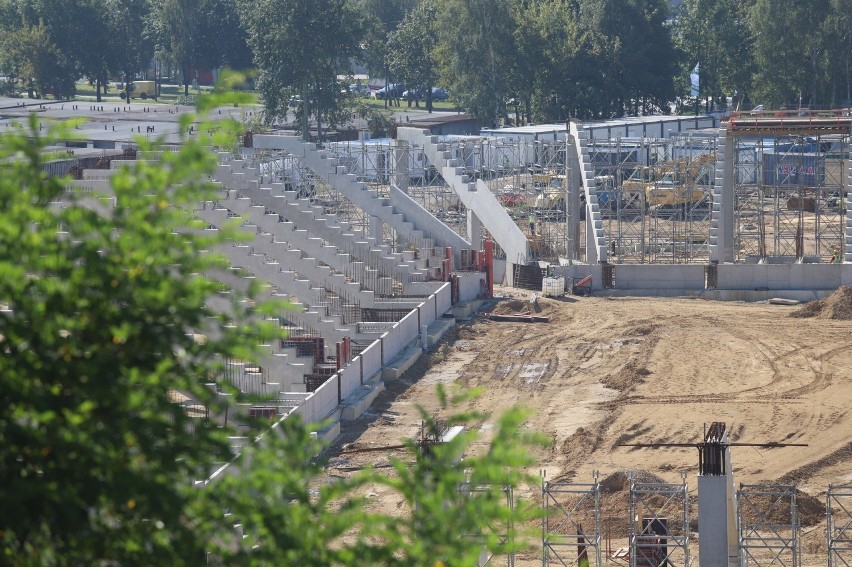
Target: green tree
[
  {"x": 410, "y": 49},
  {"x": 80, "y": 31},
  {"x": 175, "y": 25},
  {"x": 561, "y": 81},
  {"x": 640, "y": 61},
  {"x": 32, "y": 59},
  {"x": 102, "y": 300},
  {"x": 837, "y": 30},
  {"x": 300, "y": 46},
  {"x": 131, "y": 48},
  {"x": 224, "y": 36},
  {"x": 477, "y": 63},
  {"x": 716, "y": 34},
  {"x": 789, "y": 52},
  {"x": 380, "y": 18}
]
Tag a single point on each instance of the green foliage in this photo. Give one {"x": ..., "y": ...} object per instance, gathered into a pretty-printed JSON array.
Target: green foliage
[
  {"x": 476, "y": 65},
  {"x": 716, "y": 34},
  {"x": 454, "y": 502},
  {"x": 457, "y": 497},
  {"x": 410, "y": 50},
  {"x": 102, "y": 298},
  {"x": 300, "y": 47},
  {"x": 32, "y": 59},
  {"x": 796, "y": 55},
  {"x": 639, "y": 60},
  {"x": 379, "y": 122},
  {"x": 380, "y": 18}
]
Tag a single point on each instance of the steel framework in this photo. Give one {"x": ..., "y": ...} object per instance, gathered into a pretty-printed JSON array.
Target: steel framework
[
  {"x": 566, "y": 506},
  {"x": 790, "y": 196},
  {"x": 655, "y": 195},
  {"x": 768, "y": 525},
  {"x": 658, "y": 523},
  {"x": 838, "y": 525},
  {"x": 486, "y": 557},
  {"x": 657, "y": 198}
]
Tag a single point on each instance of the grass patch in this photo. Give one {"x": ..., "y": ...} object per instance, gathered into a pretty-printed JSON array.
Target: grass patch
[{"x": 169, "y": 94}]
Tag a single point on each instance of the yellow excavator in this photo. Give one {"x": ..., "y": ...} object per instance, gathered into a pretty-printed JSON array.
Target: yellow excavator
[{"x": 672, "y": 183}]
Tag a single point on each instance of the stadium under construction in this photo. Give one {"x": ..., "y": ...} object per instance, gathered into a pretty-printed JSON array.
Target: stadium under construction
[{"x": 379, "y": 242}]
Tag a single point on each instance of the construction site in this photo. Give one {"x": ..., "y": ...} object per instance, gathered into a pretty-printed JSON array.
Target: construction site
[{"x": 665, "y": 293}]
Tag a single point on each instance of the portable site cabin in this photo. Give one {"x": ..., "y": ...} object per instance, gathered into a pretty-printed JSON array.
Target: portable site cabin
[{"x": 373, "y": 160}]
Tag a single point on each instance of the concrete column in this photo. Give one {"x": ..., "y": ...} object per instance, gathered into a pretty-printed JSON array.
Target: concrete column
[
  {"x": 728, "y": 201},
  {"x": 847, "y": 252},
  {"x": 575, "y": 186},
  {"x": 377, "y": 229},
  {"x": 402, "y": 167},
  {"x": 474, "y": 230},
  {"x": 722, "y": 221}
]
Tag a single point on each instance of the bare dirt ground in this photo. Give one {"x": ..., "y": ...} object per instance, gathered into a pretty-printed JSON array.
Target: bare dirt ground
[{"x": 606, "y": 371}]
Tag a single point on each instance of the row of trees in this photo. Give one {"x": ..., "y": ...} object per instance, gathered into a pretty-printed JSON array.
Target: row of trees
[
  {"x": 542, "y": 59},
  {"x": 47, "y": 46}
]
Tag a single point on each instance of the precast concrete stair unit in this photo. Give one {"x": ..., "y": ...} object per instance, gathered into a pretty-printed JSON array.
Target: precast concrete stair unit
[
  {"x": 319, "y": 225},
  {"x": 409, "y": 226},
  {"x": 474, "y": 195},
  {"x": 289, "y": 282},
  {"x": 280, "y": 370},
  {"x": 596, "y": 249}
]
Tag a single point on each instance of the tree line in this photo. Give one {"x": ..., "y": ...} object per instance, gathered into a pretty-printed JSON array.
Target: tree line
[{"x": 539, "y": 60}]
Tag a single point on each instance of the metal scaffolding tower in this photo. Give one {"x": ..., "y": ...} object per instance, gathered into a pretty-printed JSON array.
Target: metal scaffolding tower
[
  {"x": 658, "y": 524},
  {"x": 566, "y": 507},
  {"x": 790, "y": 184},
  {"x": 656, "y": 197},
  {"x": 838, "y": 525},
  {"x": 768, "y": 525}
]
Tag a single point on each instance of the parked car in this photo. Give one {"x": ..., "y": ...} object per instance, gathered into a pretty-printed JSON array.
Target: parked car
[
  {"x": 440, "y": 94},
  {"x": 360, "y": 90},
  {"x": 391, "y": 90},
  {"x": 418, "y": 94}
]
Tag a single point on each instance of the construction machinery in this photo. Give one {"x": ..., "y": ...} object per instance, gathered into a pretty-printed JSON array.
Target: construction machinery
[
  {"x": 678, "y": 182},
  {"x": 552, "y": 196}
]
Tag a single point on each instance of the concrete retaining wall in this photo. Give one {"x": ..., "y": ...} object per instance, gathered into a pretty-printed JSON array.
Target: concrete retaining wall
[
  {"x": 321, "y": 403},
  {"x": 688, "y": 279},
  {"x": 470, "y": 286},
  {"x": 658, "y": 276},
  {"x": 789, "y": 276}
]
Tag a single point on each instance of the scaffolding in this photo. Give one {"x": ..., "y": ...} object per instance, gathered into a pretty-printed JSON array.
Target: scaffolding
[
  {"x": 838, "y": 525},
  {"x": 790, "y": 197},
  {"x": 655, "y": 194},
  {"x": 486, "y": 557},
  {"x": 768, "y": 525},
  {"x": 566, "y": 507},
  {"x": 658, "y": 523},
  {"x": 655, "y": 197}
]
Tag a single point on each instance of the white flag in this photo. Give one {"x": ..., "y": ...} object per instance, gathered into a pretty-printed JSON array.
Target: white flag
[{"x": 693, "y": 79}]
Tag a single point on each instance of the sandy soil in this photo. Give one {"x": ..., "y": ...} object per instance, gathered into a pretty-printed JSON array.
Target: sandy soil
[{"x": 606, "y": 371}]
